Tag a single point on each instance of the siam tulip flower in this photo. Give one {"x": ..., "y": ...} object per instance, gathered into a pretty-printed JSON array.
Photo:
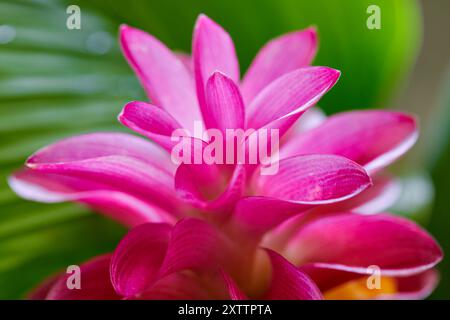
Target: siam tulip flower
[{"x": 221, "y": 231}]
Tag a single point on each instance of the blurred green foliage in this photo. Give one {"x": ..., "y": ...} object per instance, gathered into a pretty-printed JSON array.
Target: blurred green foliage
[
  {"x": 56, "y": 82},
  {"x": 438, "y": 161}
]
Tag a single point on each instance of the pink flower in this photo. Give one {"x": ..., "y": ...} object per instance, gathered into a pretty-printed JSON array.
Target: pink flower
[{"x": 228, "y": 231}]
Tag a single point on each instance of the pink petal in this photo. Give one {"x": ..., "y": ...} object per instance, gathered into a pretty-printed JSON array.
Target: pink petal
[
  {"x": 96, "y": 145},
  {"x": 284, "y": 100},
  {"x": 194, "y": 245},
  {"x": 278, "y": 238},
  {"x": 41, "y": 291},
  {"x": 301, "y": 183},
  {"x": 415, "y": 287},
  {"x": 181, "y": 286},
  {"x": 72, "y": 170},
  {"x": 225, "y": 108},
  {"x": 138, "y": 258},
  {"x": 150, "y": 121},
  {"x": 215, "y": 194},
  {"x": 118, "y": 205},
  {"x": 373, "y": 139},
  {"x": 289, "y": 282},
  {"x": 311, "y": 119},
  {"x": 95, "y": 283},
  {"x": 195, "y": 177},
  {"x": 187, "y": 285},
  {"x": 254, "y": 216},
  {"x": 163, "y": 75},
  {"x": 352, "y": 243},
  {"x": 233, "y": 290},
  {"x": 113, "y": 160},
  {"x": 212, "y": 50},
  {"x": 326, "y": 278},
  {"x": 313, "y": 179},
  {"x": 151, "y": 252},
  {"x": 120, "y": 173},
  {"x": 279, "y": 56},
  {"x": 381, "y": 196},
  {"x": 186, "y": 59}
]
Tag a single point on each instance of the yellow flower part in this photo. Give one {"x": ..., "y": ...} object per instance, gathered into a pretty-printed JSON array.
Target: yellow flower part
[{"x": 359, "y": 290}]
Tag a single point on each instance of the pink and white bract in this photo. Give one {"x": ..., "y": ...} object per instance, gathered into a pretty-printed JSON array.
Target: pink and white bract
[{"x": 201, "y": 231}]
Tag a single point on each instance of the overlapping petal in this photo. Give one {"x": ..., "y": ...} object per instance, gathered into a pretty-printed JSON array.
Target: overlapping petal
[
  {"x": 138, "y": 257},
  {"x": 163, "y": 75},
  {"x": 186, "y": 59},
  {"x": 301, "y": 183},
  {"x": 186, "y": 285},
  {"x": 372, "y": 138},
  {"x": 94, "y": 279},
  {"x": 418, "y": 286},
  {"x": 225, "y": 108},
  {"x": 103, "y": 144},
  {"x": 120, "y": 173},
  {"x": 150, "y": 121},
  {"x": 151, "y": 252},
  {"x": 384, "y": 193},
  {"x": 353, "y": 242},
  {"x": 121, "y": 162},
  {"x": 284, "y": 100},
  {"x": 217, "y": 195},
  {"x": 311, "y": 119},
  {"x": 288, "y": 282},
  {"x": 343, "y": 285},
  {"x": 212, "y": 50},
  {"x": 279, "y": 56},
  {"x": 234, "y": 292},
  {"x": 118, "y": 205},
  {"x": 100, "y": 170}
]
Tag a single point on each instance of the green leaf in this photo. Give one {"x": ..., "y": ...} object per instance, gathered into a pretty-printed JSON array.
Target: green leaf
[
  {"x": 56, "y": 82},
  {"x": 438, "y": 152}
]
